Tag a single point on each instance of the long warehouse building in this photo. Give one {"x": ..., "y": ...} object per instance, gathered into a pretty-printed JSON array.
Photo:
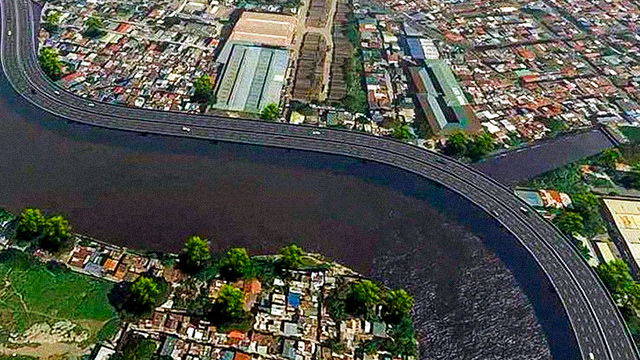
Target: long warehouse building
[{"x": 254, "y": 62}]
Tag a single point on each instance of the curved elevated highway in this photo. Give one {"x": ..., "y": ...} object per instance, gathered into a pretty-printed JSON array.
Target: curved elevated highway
[{"x": 599, "y": 329}]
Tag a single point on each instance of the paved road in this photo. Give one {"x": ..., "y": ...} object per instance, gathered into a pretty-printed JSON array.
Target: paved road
[{"x": 598, "y": 326}]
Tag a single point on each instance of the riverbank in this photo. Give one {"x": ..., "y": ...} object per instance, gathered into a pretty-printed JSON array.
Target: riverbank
[
  {"x": 226, "y": 305},
  {"x": 145, "y": 192}
]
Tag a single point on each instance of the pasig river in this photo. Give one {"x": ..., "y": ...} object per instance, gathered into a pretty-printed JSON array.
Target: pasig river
[{"x": 478, "y": 293}]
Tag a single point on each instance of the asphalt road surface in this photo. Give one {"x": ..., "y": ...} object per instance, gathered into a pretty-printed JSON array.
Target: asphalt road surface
[{"x": 598, "y": 326}]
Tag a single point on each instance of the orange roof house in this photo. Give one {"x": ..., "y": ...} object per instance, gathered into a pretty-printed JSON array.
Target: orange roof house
[{"x": 110, "y": 265}]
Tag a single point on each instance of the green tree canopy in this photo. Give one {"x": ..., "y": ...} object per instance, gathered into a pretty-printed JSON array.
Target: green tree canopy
[
  {"x": 363, "y": 297},
  {"x": 194, "y": 254},
  {"x": 397, "y": 303},
  {"x": 229, "y": 305},
  {"x": 235, "y": 264},
  {"x": 49, "y": 62},
  {"x": 136, "y": 348},
  {"x": 481, "y": 145},
  {"x": 461, "y": 145},
  {"x": 143, "y": 294},
  {"x": 624, "y": 290},
  {"x": 270, "y": 112},
  {"x": 584, "y": 202},
  {"x": 456, "y": 145},
  {"x": 56, "y": 234},
  {"x": 569, "y": 223},
  {"x": 51, "y": 20},
  {"x": 202, "y": 89},
  {"x": 93, "y": 27},
  {"x": 610, "y": 157},
  {"x": 30, "y": 224},
  {"x": 402, "y": 132},
  {"x": 291, "y": 256},
  {"x": 5, "y": 215}
]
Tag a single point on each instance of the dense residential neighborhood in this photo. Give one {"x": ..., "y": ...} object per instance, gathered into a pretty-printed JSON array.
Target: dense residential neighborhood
[
  {"x": 472, "y": 80},
  {"x": 418, "y": 71},
  {"x": 190, "y": 306}
]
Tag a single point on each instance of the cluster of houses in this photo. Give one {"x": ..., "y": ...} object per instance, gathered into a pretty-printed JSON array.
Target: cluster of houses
[
  {"x": 111, "y": 262},
  {"x": 290, "y": 315}
]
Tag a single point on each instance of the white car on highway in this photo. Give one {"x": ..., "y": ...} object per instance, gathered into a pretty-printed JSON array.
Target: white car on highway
[{"x": 186, "y": 129}]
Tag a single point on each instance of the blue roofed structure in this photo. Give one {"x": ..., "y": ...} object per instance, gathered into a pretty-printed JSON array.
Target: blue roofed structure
[
  {"x": 294, "y": 300},
  {"x": 415, "y": 48}
]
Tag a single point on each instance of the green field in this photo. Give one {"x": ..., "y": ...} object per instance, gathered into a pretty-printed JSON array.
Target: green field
[{"x": 39, "y": 297}]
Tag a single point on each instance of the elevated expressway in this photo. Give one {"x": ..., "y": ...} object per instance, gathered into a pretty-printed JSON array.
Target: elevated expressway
[{"x": 598, "y": 326}]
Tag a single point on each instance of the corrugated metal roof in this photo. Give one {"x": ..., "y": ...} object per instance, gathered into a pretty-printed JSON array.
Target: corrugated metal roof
[
  {"x": 415, "y": 48},
  {"x": 253, "y": 77}
]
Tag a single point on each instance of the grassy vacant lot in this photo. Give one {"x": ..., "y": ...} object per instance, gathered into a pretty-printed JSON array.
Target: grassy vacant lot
[{"x": 48, "y": 304}]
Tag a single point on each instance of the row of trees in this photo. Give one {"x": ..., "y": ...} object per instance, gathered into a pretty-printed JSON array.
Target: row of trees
[
  {"x": 235, "y": 263},
  {"x": 624, "y": 290},
  {"x": 473, "y": 147},
  {"x": 583, "y": 220},
  {"x": 51, "y": 233},
  {"x": 364, "y": 298}
]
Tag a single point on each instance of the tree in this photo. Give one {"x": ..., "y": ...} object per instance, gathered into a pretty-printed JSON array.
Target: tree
[
  {"x": 456, "y": 145},
  {"x": 235, "y": 264},
  {"x": 363, "y": 297},
  {"x": 202, "y": 89},
  {"x": 136, "y": 348},
  {"x": 194, "y": 254},
  {"x": 397, "y": 303},
  {"x": 5, "y": 215},
  {"x": 481, "y": 145},
  {"x": 630, "y": 180},
  {"x": 30, "y": 224},
  {"x": 93, "y": 27},
  {"x": 229, "y": 305},
  {"x": 49, "y": 62},
  {"x": 583, "y": 250},
  {"x": 270, "y": 112},
  {"x": 51, "y": 20},
  {"x": 291, "y": 256},
  {"x": 569, "y": 223},
  {"x": 584, "y": 202},
  {"x": 143, "y": 294},
  {"x": 355, "y": 102},
  {"x": 404, "y": 339},
  {"x": 56, "y": 234},
  {"x": 610, "y": 157},
  {"x": 616, "y": 277},
  {"x": 402, "y": 132}
]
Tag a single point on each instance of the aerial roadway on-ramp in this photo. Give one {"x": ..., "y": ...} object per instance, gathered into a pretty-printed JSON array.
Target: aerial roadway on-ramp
[{"x": 598, "y": 326}]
